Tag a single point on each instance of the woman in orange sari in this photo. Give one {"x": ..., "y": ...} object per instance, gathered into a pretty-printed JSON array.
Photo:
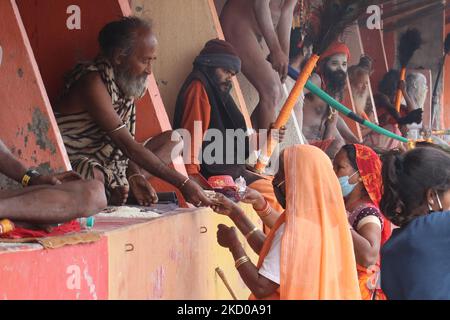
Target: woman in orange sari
[
  {"x": 308, "y": 254},
  {"x": 358, "y": 168}
]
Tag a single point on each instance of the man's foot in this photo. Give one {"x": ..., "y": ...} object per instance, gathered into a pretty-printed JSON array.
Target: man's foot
[{"x": 119, "y": 196}]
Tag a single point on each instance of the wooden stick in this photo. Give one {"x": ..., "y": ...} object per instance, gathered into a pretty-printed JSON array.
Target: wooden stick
[
  {"x": 286, "y": 110},
  {"x": 225, "y": 281},
  {"x": 294, "y": 118},
  {"x": 398, "y": 97}
]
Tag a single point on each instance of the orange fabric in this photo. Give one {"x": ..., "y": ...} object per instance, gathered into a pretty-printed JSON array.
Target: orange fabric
[
  {"x": 335, "y": 48},
  {"x": 68, "y": 227},
  {"x": 369, "y": 279},
  {"x": 322, "y": 144},
  {"x": 317, "y": 258},
  {"x": 196, "y": 108},
  {"x": 369, "y": 167}
]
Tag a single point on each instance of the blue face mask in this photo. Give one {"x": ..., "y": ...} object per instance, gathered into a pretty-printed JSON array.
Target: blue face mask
[{"x": 346, "y": 186}]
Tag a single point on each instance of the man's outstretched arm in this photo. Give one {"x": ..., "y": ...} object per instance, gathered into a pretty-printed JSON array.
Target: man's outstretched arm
[{"x": 98, "y": 104}]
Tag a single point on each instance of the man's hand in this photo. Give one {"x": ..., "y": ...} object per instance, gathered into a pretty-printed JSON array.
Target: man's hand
[
  {"x": 194, "y": 194},
  {"x": 227, "y": 237},
  {"x": 54, "y": 179},
  {"x": 413, "y": 116},
  {"x": 254, "y": 198},
  {"x": 402, "y": 86},
  {"x": 223, "y": 205},
  {"x": 142, "y": 191},
  {"x": 278, "y": 134},
  {"x": 197, "y": 177},
  {"x": 280, "y": 63}
]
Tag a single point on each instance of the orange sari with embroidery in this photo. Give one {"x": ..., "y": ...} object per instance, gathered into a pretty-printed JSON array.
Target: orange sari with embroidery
[{"x": 317, "y": 259}]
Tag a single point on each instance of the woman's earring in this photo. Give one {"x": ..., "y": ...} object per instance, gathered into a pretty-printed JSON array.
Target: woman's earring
[
  {"x": 439, "y": 203},
  {"x": 430, "y": 207}
]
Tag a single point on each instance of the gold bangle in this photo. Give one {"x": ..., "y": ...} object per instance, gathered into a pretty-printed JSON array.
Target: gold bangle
[
  {"x": 184, "y": 183},
  {"x": 266, "y": 214},
  {"x": 239, "y": 262},
  {"x": 135, "y": 175},
  {"x": 248, "y": 235},
  {"x": 266, "y": 205},
  {"x": 117, "y": 129},
  {"x": 267, "y": 211},
  {"x": 26, "y": 180}
]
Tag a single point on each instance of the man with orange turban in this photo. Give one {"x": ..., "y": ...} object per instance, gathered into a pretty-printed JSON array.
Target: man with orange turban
[{"x": 322, "y": 126}]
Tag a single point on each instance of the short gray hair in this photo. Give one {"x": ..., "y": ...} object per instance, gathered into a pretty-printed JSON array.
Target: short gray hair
[{"x": 121, "y": 35}]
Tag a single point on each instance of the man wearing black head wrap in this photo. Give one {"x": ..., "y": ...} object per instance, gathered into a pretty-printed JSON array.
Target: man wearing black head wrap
[{"x": 205, "y": 106}]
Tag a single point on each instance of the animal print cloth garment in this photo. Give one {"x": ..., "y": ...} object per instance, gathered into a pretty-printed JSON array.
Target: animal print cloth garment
[{"x": 87, "y": 145}]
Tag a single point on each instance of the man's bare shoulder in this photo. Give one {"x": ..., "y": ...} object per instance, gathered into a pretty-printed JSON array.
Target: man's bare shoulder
[
  {"x": 90, "y": 82},
  {"x": 86, "y": 91}
]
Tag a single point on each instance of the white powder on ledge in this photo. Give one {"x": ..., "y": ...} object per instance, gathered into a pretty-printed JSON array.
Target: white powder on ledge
[{"x": 128, "y": 212}]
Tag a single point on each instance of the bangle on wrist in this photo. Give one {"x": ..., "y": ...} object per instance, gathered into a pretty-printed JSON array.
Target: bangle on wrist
[
  {"x": 27, "y": 177},
  {"x": 263, "y": 207},
  {"x": 135, "y": 175},
  {"x": 267, "y": 211},
  {"x": 248, "y": 235},
  {"x": 239, "y": 262},
  {"x": 184, "y": 183}
]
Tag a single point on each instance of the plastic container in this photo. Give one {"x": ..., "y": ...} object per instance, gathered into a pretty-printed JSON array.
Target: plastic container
[
  {"x": 86, "y": 223},
  {"x": 241, "y": 186},
  {"x": 6, "y": 226}
]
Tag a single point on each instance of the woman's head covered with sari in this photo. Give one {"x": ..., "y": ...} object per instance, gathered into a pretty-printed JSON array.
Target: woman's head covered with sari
[
  {"x": 368, "y": 164},
  {"x": 317, "y": 258}
]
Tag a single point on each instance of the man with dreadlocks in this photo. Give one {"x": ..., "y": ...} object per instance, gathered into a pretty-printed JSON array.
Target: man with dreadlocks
[
  {"x": 96, "y": 116},
  {"x": 322, "y": 126}
]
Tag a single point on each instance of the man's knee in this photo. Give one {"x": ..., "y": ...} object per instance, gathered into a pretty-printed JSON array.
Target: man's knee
[
  {"x": 271, "y": 93},
  {"x": 174, "y": 140},
  {"x": 93, "y": 197}
]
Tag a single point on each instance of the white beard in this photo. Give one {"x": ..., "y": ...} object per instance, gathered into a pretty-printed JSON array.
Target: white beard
[
  {"x": 360, "y": 101},
  {"x": 133, "y": 87}
]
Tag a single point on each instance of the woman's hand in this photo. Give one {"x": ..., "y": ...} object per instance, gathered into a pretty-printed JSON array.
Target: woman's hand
[
  {"x": 227, "y": 236},
  {"x": 142, "y": 190},
  {"x": 223, "y": 205},
  {"x": 254, "y": 198}
]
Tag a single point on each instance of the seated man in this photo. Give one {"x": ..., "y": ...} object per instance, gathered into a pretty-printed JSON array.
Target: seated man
[
  {"x": 205, "y": 102},
  {"x": 359, "y": 76},
  {"x": 47, "y": 199},
  {"x": 322, "y": 125},
  {"x": 388, "y": 116},
  {"x": 96, "y": 116}
]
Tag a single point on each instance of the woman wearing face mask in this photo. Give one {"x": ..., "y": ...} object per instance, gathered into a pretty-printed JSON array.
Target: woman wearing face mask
[
  {"x": 308, "y": 254},
  {"x": 416, "y": 259},
  {"x": 359, "y": 171}
]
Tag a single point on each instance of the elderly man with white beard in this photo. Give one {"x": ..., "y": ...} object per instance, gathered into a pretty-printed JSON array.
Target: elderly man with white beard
[{"x": 96, "y": 116}]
